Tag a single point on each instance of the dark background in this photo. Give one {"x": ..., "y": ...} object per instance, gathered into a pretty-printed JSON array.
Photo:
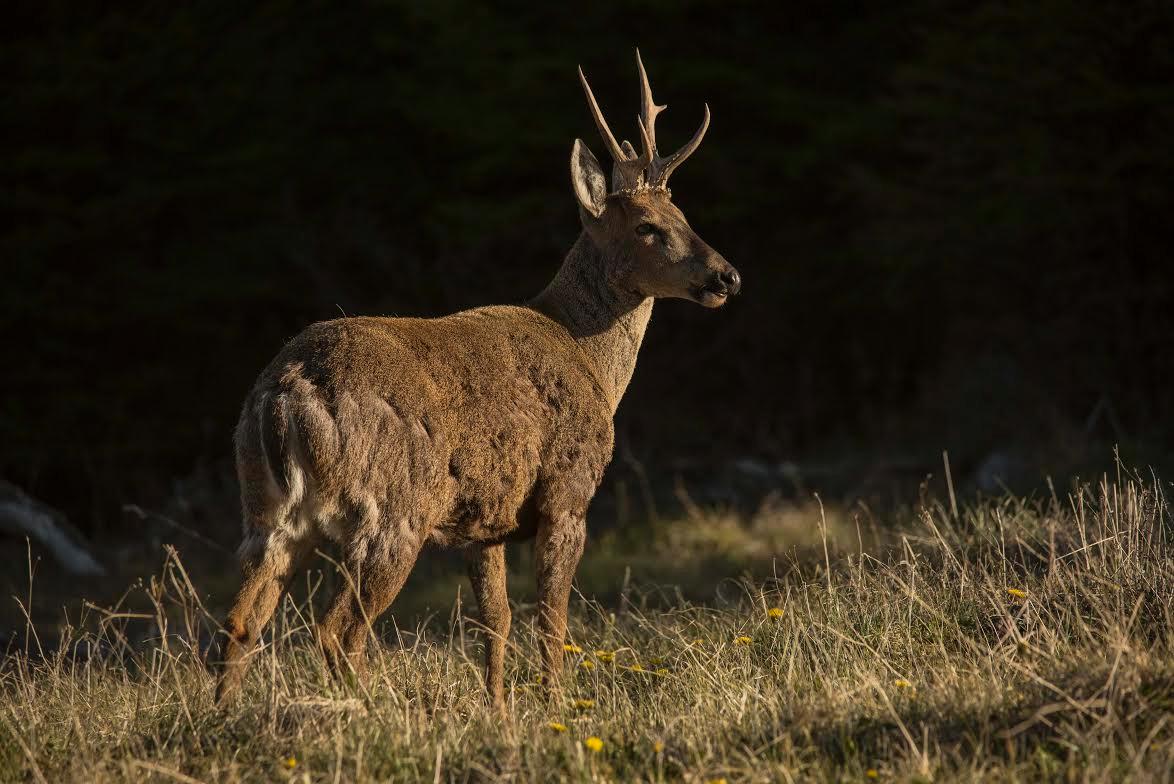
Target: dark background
[{"x": 953, "y": 220}]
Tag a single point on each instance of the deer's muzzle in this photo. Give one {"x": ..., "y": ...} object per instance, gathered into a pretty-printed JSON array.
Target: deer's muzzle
[{"x": 720, "y": 286}]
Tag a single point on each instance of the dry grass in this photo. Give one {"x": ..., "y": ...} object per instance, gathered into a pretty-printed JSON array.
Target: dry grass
[{"x": 1018, "y": 640}]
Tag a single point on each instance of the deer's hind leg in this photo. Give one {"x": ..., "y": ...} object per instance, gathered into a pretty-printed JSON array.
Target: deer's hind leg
[
  {"x": 270, "y": 563},
  {"x": 375, "y": 571}
]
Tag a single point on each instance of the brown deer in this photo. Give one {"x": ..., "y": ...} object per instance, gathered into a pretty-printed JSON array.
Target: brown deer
[{"x": 467, "y": 431}]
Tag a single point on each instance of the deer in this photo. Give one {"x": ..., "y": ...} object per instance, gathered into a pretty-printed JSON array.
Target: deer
[{"x": 467, "y": 431}]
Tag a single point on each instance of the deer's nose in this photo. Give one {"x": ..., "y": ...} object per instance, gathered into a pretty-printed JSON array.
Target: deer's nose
[{"x": 731, "y": 279}]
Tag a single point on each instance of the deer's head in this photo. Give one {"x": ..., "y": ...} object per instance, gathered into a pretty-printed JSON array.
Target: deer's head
[{"x": 648, "y": 247}]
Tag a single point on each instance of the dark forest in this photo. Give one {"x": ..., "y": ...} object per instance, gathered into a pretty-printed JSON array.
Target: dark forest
[{"x": 953, "y": 221}]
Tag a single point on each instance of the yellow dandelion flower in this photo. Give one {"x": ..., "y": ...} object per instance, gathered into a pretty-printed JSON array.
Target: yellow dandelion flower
[
  {"x": 716, "y": 781},
  {"x": 775, "y": 613},
  {"x": 871, "y": 773},
  {"x": 594, "y": 743},
  {"x": 582, "y": 704},
  {"x": 699, "y": 641},
  {"x": 901, "y": 683},
  {"x": 657, "y": 747},
  {"x": 557, "y": 727},
  {"x": 743, "y": 640},
  {"x": 662, "y": 670},
  {"x": 605, "y": 656},
  {"x": 1018, "y": 594},
  {"x": 637, "y": 667},
  {"x": 587, "y": 664},
  {"x": 572, "y": 648},
  {"x": 291, "y": 762}
]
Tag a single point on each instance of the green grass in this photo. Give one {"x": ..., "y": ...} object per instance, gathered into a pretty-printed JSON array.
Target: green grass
[{"x": 1018, "y": 640}]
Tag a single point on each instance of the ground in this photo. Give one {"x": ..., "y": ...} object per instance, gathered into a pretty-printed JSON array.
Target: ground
[{"x": 1013, "y": 639}]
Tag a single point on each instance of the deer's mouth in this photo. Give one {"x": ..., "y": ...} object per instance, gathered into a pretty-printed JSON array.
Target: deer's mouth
[{"x": 712, "y": 295}]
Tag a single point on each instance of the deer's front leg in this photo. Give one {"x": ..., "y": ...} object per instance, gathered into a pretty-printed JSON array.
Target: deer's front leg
[
  {"x": 488, "y": 575},
  {"x": 557, "y": 550}
]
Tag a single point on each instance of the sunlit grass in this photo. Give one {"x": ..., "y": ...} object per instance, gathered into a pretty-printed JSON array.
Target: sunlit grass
[{"x": 1018, "y": 640}]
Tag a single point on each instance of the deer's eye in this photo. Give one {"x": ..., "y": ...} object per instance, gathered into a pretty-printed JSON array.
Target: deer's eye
[{"x": 644, "y": 229}]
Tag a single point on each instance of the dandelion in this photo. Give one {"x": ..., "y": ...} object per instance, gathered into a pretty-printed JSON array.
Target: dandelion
[
  {"x": 594, "y": 743},
  {"x": 291, "y": 762},
  {"x": 587, "y": 664},
  {"x": 658, "y": 747},
  {"x": 774, "y": 613},
  {"x": 662, "y": 671},
  {"x": 1018, "y": 594},
  {"x": 637, "y": 667},
  {"x": 557, "y": 727},
  {"x": 901, "y": 683},
  {"x": 605, "y": 656},
  {"x": 871, "y": 773},
  {"x": 699, "y": 641},
  {"x": 743, "y": 640},
  {"x": 572, "y": 648},
  {"x": 583, "y": 704},
  {"x": 716, "y": 781}
]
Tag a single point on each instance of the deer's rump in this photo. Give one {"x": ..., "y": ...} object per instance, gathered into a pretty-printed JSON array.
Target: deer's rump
[{"x": 435, "y": 429}]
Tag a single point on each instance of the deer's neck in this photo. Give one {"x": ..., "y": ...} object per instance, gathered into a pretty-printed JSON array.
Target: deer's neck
[{"x": 608, "y": 325}]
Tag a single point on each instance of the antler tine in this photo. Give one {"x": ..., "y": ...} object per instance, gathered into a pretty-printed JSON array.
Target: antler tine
[
  {"x": 660, "y": 168},
  {"x": 618, "y": 174},
  {"x": 633, "y": 165},
  {"x": 663, "y": 167},
  {"x": 629, "y": 168},
  {"x": 648, "y": 107},
  {"x": 600, "y": 123},
  {"x": 647, "y": 142}
]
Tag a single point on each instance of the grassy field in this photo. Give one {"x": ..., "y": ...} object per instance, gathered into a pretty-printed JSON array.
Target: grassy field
[{"x": 1014, "y": 639}]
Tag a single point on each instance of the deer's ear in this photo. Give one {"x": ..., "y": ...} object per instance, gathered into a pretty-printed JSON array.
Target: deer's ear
[{"x": 588, "y": 179}]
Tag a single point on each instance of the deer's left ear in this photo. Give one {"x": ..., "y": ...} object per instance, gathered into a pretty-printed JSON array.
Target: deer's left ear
[{"x": 588, "y": 179}]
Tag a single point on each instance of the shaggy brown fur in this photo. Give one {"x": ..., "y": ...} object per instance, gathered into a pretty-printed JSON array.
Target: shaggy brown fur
[{"x": 495, "y": 424}]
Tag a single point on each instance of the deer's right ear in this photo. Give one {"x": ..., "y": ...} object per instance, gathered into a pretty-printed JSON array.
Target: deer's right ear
[{"x": 588, "y": 178}]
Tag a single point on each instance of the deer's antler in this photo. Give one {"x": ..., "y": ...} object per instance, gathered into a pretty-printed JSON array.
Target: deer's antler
[
  {"x": 629, "y": 167},
  {"x": 660, "y": 168},
  {"x": 646, "y": 170}
]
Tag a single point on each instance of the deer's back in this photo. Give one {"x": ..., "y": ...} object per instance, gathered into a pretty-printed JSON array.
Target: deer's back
[{"x": 450, "y": 428}]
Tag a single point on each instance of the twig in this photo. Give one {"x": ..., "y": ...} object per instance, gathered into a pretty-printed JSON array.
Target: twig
[
  {"x": 162, "y": 771},
  {"x": 36, "y": 769},
  {"x": 199, "y": 537},
  {"x": 823, "y": 529},
  {"x": 950, "y": 484}
]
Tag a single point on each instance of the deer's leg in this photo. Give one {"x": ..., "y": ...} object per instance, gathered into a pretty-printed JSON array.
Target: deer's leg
[
  {"x": 369, "y": 588},
  {"x": 488, "y": 575},
  {"x": 557, "y": 550},
  {"x": 267, "y": 574}
]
